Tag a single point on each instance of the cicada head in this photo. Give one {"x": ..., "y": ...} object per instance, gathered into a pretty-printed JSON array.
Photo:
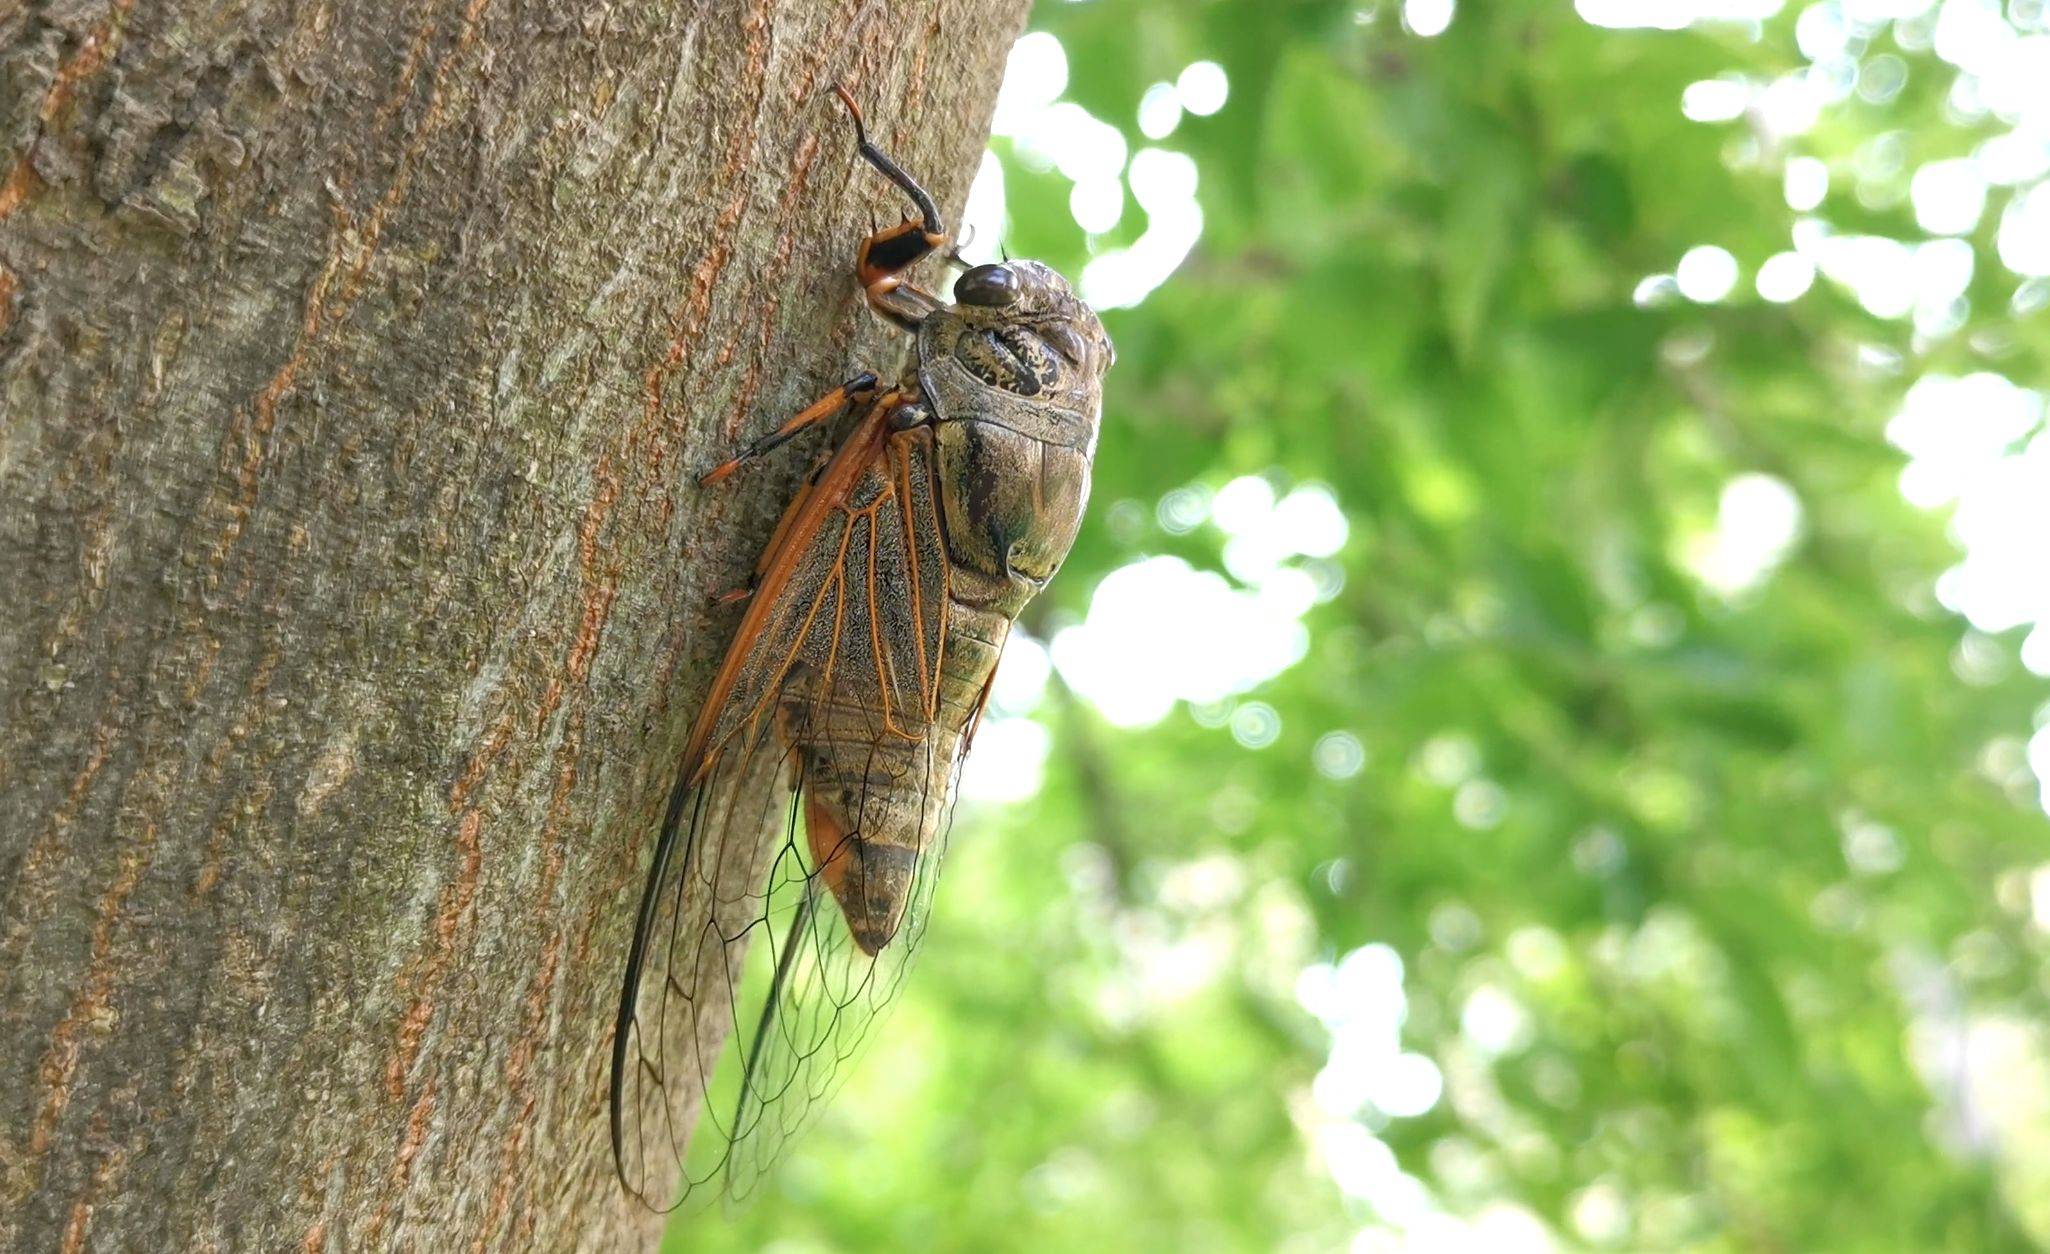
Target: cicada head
[
  {"x": 1016, "y": 343},
  {"x": 1034, "y": 296}
]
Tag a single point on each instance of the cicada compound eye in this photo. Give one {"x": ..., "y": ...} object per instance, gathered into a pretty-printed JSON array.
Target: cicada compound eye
[{"x": 989, "y": 286}]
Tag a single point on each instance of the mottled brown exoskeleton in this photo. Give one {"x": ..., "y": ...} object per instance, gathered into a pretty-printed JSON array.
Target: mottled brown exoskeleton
[{"x": 847, "y": 702}]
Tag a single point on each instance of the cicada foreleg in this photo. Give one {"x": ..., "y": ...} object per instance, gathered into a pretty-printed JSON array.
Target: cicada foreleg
[
  {"x": 885, "y": 255},
  {"x": 861, "y": 389},
  {"x": 857, "y": 390}
]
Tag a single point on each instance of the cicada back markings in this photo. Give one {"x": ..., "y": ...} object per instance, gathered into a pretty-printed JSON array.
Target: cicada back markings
[{"x": 1014, "y": 372}]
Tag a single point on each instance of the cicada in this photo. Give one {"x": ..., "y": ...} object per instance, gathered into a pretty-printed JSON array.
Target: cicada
[{"x": 845, "y": 706}]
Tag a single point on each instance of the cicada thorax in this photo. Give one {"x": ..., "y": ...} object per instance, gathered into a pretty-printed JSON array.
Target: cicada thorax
[
  {"x": 1007, "y": 356},
  {"x": 1017, "y": 400},
  {"x": 1013, "y": 504}
]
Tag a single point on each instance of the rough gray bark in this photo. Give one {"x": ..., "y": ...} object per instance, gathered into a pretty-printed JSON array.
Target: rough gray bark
[{"x": 357, "y": 361}]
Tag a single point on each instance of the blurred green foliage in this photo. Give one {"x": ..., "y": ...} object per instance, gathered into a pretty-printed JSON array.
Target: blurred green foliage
[{"x": 1712, "y": 903}]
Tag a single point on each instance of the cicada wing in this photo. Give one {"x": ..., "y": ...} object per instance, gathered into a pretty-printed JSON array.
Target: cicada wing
[
  {"x": 852, "y": 609},
  {"x": 824, "y": 996},
  {"x": 704, "y": 901},
  {"x": 841, "y": 651}
]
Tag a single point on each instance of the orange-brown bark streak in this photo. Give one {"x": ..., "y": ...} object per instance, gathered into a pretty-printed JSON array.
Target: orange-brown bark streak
[
  {"x": 22, "y": 180},
  {"x": 60, "y": 1063}
]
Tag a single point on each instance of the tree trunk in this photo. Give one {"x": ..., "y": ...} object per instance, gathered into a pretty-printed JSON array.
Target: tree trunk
[{"x": 357, "y": 363}]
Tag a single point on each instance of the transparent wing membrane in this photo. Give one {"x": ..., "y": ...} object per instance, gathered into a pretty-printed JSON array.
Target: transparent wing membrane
[
  {"x": 824, "y": 998},
  {"x": 752, "y": 998},
  {"x": 746, "y": 993}
]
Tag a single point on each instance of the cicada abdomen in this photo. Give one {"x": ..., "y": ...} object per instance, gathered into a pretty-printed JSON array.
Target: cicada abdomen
[{"x": 842, "y": 713}]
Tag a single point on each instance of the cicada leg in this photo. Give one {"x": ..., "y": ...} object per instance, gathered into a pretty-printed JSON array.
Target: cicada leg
[
  {"x": 859, "y": 388},
  {"x": 862, "y": 388},
  {"x": 885, "y": 255}
]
